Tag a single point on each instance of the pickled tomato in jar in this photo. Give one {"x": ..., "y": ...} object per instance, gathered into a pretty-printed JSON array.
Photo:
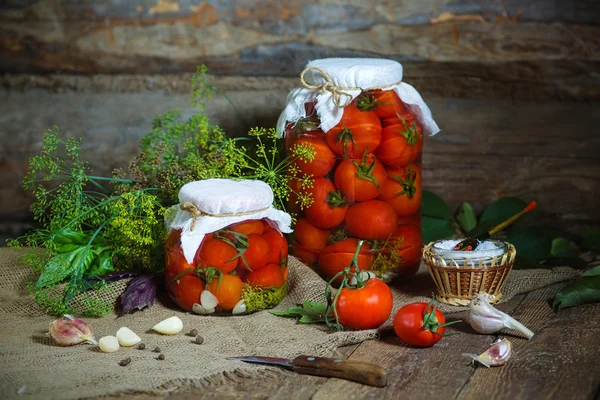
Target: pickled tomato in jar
[{"x": 366, "y": 127}]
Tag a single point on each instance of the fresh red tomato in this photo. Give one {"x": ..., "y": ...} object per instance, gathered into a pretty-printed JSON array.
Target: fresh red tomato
[
  {"x": 186, "y": 291},
  {"x": 364, "y": 308},
  {"x": 324, "y": 158},
  {"x": 420, "y": 324},
  {"x": 329, "y": 206},
  {"x": 403, "y": 190},
  {"x": 360, "y": 180},
  {"x": 401, "y": 143},
  {"x": 309, "y": 236},
  {"x": 385, "y": 103},
  {"x": 373, "y": 219},
  {"x": 337, "y": 256},
  {"x": 250, "y": 227},
  {"x": 218, "y": 254},
  {"x": 278, "y": 246},
  {"x": 269, "y": 276},
  {"x": 227, "y": 290},
  {"x": 256, "y": 255},
  {"x": 357, "y": 132}
]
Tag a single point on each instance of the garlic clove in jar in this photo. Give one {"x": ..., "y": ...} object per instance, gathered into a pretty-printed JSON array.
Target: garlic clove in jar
[
  {"x": 199, "y": 309},
  {"x": 497, "y": 355},
  {"x": 208, "y": 300},
  {"x": 127, "y": 337},
  {"x": 239, "y": 308},
  {"x": 69, "y": 331},
  {"x": 169, "y": 326}
]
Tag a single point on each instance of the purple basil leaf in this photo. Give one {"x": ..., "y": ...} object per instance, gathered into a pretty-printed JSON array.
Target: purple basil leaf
[
  {"x": 140, "y": 293},
  {"x": 117, "y": 276}
]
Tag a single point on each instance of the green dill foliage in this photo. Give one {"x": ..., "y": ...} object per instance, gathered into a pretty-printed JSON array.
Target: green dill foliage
[{"x": 84, "y": 229}]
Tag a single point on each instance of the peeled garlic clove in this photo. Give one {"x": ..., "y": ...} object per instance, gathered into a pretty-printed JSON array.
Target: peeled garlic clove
[
  {"x": 108, "y": 344},
  {"x": 127, "y": 337},
  {"x": 364, "y": 275},
  {"x": 169, "y": 326},
  {"x": 69, "y": 331},
  {"x": 498, "y": 354},
  {"x": 239, "y": 308},
  {"x": 208, "y": 300},
  {"x": 198, "y": 309}
]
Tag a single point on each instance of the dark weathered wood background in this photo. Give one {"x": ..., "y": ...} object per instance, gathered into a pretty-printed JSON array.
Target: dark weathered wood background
[{"x": 513, "y": 84}]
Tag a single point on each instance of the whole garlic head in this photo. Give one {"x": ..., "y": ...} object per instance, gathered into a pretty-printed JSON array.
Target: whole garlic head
[{"x": 69, "y": 331}]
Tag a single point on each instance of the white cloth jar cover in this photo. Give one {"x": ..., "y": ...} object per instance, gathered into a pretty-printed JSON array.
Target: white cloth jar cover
[
  {"x": 222, "y": 202},
  {"x": 343, "y": 81}
]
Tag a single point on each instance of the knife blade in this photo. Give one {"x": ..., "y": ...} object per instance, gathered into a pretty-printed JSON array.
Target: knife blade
[{"x": 357, "y": 371}]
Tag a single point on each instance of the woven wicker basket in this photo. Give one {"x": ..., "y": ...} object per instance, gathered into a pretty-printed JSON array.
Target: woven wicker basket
[{"x": 458, "y": 281}]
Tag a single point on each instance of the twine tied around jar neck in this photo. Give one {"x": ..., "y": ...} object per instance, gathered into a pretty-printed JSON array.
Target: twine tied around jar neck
[
  {"x": 336, "y": 91},
  {"x": 196, "y": 213}
]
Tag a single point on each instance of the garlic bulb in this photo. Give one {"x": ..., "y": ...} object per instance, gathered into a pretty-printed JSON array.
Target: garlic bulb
[
  {"x": 498, "y": 354},
  {"x": 69, "y": 331},
  {"x": 484, "y": 318}
]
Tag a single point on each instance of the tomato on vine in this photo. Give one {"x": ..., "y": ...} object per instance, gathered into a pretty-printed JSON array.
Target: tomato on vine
[
  {"x": 309, "y": 236},
  {"x": 421, "y": 324},
  {"x": 366, "y": 304},
  {"x": 360, "y": 180}
]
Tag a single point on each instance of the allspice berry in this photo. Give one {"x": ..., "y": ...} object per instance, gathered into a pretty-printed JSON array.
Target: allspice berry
[
  {"x": 199, "y": 340},
  {"x": 141, "y": 346},
  {"x": 156, "y": 349},
  {"x": 193, "y": 332},
  {"x": 125, "y": 362},
  {"x": 161, "y": 356}
]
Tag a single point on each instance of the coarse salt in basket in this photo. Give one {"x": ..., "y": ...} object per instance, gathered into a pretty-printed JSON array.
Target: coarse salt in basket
[{"x": 460, "y": 275}]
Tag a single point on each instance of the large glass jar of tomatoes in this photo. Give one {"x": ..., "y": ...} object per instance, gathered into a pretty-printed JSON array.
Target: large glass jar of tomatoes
[
  {"x": 226, "y": 252},
  {"x": 364, "y": 178}
]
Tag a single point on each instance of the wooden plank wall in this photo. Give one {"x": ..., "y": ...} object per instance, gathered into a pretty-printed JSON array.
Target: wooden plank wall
[{"x": 514, "y": 84}]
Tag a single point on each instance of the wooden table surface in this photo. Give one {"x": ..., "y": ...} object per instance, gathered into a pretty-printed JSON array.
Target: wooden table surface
[{"x": 560, "y": 362}]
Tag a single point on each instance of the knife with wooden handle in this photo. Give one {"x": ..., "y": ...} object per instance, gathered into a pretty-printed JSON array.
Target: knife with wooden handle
[{"x": 357, "y": 371}]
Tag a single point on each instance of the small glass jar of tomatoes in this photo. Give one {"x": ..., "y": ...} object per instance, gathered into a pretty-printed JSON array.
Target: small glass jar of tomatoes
[
  {"x": 226, "y": 252},
  {"x": 364, "y": 176}
]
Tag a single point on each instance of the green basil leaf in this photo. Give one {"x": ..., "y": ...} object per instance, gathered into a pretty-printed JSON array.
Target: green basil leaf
[
  {"x": 591, "y": 239},
  {"x": 58, "y": 268},
  {"x": 592, "y": 272},
  {"x": 562, "y": 248},
  {"x": 533, "y": 243},
  {"x": 500, "y": 210},
  {"x": 466, "y": 217},
  {"x": 434, "y": 206},
  {"x": 102, "y": 265},
  {"x": 68, "y": 236},
  {"x": 435, "y": 229},
  {"x": 584, "y": 290},
  {"x": 83, "y": 262}
]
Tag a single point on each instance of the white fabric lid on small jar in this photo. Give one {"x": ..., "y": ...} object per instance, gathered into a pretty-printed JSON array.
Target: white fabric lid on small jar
[
  {"x": 222, "y": 202},
  {"x": 349, "y": 77}
]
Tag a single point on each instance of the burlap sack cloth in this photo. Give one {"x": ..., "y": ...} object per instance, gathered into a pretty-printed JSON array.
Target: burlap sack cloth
[{"x": 30, "y": 359}]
